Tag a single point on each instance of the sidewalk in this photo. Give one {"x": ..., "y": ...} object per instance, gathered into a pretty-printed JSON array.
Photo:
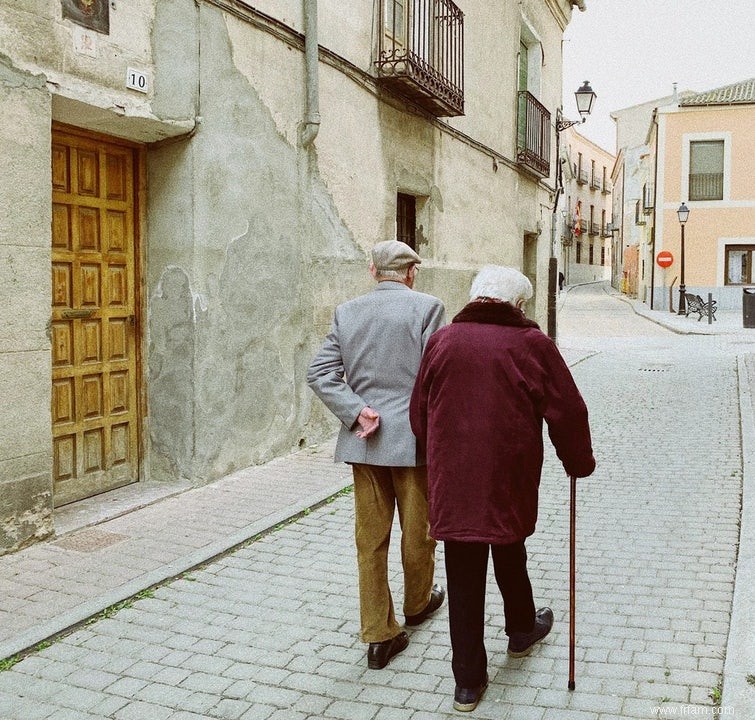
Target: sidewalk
[
  {"x": 726, "y": 322},
  {"x": 94, "y": 562}
]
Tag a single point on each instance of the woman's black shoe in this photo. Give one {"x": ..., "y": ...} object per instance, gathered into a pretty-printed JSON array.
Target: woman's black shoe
[
  {"x": 466, "y": 699},
  {"x": 521, "y": 644}
]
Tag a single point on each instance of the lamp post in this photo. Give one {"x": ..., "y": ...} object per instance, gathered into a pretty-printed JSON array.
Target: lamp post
[
  {"x": 683, "y": 214},
  {"x": 585, "y": 97}
]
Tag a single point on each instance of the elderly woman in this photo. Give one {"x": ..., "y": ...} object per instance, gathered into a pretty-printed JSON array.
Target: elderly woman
[{"x": 486, "y": 383}]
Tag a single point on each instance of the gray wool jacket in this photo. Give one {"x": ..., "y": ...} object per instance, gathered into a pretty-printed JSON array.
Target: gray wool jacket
[{"x": 371, "y": 357}]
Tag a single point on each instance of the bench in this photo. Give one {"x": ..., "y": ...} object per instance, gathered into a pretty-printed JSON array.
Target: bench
[{"x": 695, "y": 304}]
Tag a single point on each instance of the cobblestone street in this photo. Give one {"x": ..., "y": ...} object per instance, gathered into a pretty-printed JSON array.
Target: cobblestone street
[{"x": 269, "y": 631}]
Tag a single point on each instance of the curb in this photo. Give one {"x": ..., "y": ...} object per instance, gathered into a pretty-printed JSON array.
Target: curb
[{"x": 737, "y": 692}]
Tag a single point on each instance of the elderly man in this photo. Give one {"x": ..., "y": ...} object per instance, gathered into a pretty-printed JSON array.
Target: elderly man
[
  {"x": 364, "y": 373},
  {"x": 486, "y": 383}
]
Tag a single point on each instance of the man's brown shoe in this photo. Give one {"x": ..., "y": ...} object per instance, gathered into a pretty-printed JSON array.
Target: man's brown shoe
[
  {"x": 380, "y": 653},
  {"x": 437, "y": 596}
]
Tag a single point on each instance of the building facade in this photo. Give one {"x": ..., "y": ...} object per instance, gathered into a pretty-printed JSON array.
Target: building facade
[
  {"x": 192, "y": 186},
  {"x": 697, "y": 149},
  {"x": 586, "y": 250},
  {"x": 704, "y": 150}
]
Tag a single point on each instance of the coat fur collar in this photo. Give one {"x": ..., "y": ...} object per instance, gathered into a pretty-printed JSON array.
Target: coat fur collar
[{"x": 494, "y": 313}]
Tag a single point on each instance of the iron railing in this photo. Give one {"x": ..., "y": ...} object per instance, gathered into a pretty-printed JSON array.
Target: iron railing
[
  {"x": 706, "y": 186},
  {"x": 594, "y": 228},
  {"x": 582, "y": 177},
  {"x": 533, "y": 134},
  {"x": 421, "y": 53},
  {"x": 607, "y": 187}
]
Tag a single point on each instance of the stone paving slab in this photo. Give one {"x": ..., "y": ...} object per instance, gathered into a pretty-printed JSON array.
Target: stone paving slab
[{"x": 51, "y": 586}]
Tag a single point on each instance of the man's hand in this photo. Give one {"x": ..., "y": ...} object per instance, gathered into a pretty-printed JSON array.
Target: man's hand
[{"x": 369, "y": 421}]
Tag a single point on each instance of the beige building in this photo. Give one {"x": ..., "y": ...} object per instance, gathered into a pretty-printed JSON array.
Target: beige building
[
  {"x": 192, "y": 185},
  {"x": 697, "y": 149},
  {"x": 586, "y": 212},
  {"x": 704, "y": 152}
]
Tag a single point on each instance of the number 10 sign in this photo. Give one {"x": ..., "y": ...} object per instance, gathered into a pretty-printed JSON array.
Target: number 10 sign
[{"x": 136, "y": 80}]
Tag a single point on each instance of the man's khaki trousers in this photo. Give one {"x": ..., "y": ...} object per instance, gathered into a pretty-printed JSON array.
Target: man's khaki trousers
[{"x": 377, "y": 491}]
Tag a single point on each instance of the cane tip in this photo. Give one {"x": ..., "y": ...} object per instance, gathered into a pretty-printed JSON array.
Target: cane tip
[{"x": 571, "y": 684}]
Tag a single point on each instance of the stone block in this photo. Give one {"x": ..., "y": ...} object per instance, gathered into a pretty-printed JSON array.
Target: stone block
[{"x": 25, "y": 511}]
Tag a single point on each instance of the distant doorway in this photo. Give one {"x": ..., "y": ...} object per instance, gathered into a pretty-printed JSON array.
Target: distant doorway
[{"x": 529, "y": 268}]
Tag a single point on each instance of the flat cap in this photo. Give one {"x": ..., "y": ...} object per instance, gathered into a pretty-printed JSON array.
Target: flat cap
[{"x": 394, "y": 255}]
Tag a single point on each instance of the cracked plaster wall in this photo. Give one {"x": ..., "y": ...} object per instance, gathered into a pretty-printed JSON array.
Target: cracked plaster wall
[
  {"x": 25, "y": 445},
  {"x": 231, "y": 286}
]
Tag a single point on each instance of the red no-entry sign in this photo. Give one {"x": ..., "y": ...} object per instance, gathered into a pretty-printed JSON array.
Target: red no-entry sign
[{"x": 664, "y": 258}]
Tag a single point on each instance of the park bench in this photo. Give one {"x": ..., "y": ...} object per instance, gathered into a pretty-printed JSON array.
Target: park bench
[{"x": 695, "y": 304}]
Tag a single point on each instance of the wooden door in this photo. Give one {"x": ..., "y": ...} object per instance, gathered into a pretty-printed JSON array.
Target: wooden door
[{"x": 95, "y": 414}]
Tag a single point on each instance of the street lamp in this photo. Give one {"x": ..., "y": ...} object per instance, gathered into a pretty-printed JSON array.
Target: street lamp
[
  {"x": 683, "y": 214},
  {"x": 585, "y": 97}
]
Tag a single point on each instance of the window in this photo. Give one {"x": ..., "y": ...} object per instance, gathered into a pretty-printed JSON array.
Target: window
[
  {"x": 406, "y": 219},
  {"x": 706, "y": 170},
  {"x": 394, "y": 21},
  {"x": 578, "y": 252},
  {"x": 592, "y": 254},
  {"x": 602, "y": 254},
  {"x": 739, "y": 261},
  {"x": 533, "y": 138}
]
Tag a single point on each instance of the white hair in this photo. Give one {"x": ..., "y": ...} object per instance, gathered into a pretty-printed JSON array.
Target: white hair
[
  {"x": 502, "y": 283},
  {"x": 392, "y": 274}
]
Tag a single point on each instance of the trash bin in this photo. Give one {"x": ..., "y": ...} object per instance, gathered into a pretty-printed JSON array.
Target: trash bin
[{"x": 748, "y": 307}]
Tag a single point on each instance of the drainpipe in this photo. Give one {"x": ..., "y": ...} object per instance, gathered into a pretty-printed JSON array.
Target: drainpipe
[
  {"x": 655, "y": 207},
  {"x": 311, "y": 60}
]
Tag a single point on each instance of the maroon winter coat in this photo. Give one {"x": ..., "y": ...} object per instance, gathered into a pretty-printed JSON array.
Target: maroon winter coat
[{"x": 485, "y": 385}]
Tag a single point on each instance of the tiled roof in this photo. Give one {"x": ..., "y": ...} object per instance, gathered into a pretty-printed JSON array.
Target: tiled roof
[{"x": 738, "y": 93}]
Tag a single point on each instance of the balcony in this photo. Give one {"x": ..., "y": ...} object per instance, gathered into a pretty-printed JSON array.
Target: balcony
[
  {"x": 595, "y": 183},
  {"x": 582, "y": 177},
  {"x": 639, "y": 217},
  {"x": 533, "y": 135},
  {"x": 421, "y": 53},
  {"x": 607, "y": 187},
  {"x": 648, "y": 199},
  {"x": 594, "y": 229}
]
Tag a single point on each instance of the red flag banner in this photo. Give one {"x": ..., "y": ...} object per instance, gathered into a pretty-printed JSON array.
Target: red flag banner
[{"x": 578, "y": 218}]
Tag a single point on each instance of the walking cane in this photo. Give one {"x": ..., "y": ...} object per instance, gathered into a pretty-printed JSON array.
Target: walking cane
[{"x": 572, "y": 573}]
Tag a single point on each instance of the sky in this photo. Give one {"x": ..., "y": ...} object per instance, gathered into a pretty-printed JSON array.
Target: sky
[{"x": 633, "y": 51}]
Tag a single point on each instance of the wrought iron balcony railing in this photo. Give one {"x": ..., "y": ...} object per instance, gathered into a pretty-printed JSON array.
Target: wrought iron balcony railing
[
  {"x": 582, "y": 177},
  {"x": 595, "y": 182},
  {"x": 533, "y": 134},
  {"x": 421, "y": 53},
  {"x": 607, "y": 187}
]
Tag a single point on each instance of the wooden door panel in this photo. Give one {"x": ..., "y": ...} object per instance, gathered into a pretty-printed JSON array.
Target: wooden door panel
[{"x": 94, "y": 365}]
